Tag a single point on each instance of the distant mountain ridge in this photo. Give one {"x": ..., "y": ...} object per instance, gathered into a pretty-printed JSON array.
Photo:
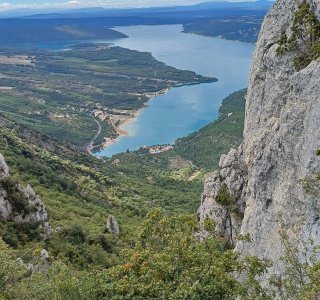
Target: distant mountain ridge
[
  {"x": 102, "y": 12},
  {"x": 207, "y": 18}
]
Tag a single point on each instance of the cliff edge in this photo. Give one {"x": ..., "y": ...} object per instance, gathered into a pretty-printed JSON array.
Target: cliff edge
[{"x": 273, "y": 179}]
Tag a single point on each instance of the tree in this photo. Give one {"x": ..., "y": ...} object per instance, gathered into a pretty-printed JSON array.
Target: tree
[
  {"x": 304, "y": 41},
  {"x": 168, "y": 262}
]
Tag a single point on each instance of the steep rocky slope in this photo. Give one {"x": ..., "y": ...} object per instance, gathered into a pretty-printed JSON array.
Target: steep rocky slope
[
  {"x": 19, "y": 204},
  {"x": 273, "y": 178}
]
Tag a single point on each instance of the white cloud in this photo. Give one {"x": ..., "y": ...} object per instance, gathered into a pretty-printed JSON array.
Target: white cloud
[{"x": 5, "y": 6}]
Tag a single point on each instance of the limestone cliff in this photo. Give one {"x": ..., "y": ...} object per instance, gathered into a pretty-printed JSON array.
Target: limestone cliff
[
  {"x": 274, "y": 176},
  {"x": 19, "y": 204}
]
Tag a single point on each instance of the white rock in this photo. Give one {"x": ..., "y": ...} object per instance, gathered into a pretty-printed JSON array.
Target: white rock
[
  {"x": 4, "y": 169},
  {"x": 44, "y": 254},
  {"x": 112, "y": 225},
  {"x": 281, "y": 136},
  {"x": 36, "y": 212}
]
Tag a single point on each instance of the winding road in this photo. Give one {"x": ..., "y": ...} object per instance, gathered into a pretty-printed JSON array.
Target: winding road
[{"x": 90, "y": 146}]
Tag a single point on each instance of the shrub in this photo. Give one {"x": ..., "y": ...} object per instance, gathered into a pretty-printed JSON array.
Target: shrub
[
  {"x": 304, "y": 41},
  {"x": 224, "y": 197},
  {"x": 228, "y": 201},
  {"x": 75, "y": 235},
  {"x": 15, "y": 235},
  {"x": 169, "y": 263},
  {"x": 16, "y": 198}
]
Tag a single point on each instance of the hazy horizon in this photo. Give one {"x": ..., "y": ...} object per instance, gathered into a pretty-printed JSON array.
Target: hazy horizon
[{"x": 75, "y": 4}]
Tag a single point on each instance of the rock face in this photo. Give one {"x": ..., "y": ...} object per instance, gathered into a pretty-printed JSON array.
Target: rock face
[
  {"x": 231, "y": 173},
  {"x": 4, "y": 169},
  {"x": 112, "y": 225},
  {"x": 43, "y": 263},
  {"x": 274, "y": 175},
  {"x": 20, "y": 204}
]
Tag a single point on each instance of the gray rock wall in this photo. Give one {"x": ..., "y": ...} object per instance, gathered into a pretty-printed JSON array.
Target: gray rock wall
[{"x": 278, "y": 157}]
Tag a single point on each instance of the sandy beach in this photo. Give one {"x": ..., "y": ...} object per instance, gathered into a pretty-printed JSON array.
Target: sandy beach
[
  {"x": 118, "y": 121},
  {"x": 124, "y": 120}
]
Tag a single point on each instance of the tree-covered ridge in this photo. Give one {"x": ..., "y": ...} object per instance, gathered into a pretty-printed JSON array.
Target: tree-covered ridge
[
  {"x": 205, "y": 146},
  {"x": 245, "y": 28}
]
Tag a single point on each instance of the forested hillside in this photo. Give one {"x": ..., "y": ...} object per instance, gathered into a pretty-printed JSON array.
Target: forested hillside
[
  {"x": 74, "y": 226},
  {"x": 80, "y": 193},
  {"x": 203, "y": 147}
]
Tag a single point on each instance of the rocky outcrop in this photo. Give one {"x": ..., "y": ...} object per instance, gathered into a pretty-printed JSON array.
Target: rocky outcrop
[
  {"x": 43, "y": 263},
  {"x": 4, "y": 169},
  {"x": 20, "y": 204},
  {"x": 112, "y": 225},
  {"x": 275, "y": 173},
  {"x": 228, "y": 219}
]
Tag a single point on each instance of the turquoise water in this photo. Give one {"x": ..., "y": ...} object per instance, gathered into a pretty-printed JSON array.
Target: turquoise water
[{"x": 183, "y": 109}]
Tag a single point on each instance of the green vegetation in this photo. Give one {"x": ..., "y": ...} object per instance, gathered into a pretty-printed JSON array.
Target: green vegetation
[
  {"x": 304, "y": 39},
  {"x": 227, "y": 200},
  {"x": 204, "y": 147},
  {"x": 55, "y": 92},
  {"x": 164, "y": 172},
  {"x": 80, "y": 192},
  {"x": 14, "y": 195},
  {"x": 169, "y": 263},
  {"x": 245, "y": 29},
  {"x": 156, "y": 254},
  {"x": 165, "y": 261}
]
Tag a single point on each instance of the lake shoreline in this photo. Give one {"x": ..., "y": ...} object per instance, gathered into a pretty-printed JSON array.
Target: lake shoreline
[
  {"x": 132, "y": 114},
  {"x": 188, "y": 108},
  {"x": 127, "y": 119}
]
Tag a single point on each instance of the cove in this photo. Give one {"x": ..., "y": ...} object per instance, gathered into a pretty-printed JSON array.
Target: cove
[{"x": 185, "y": 109}]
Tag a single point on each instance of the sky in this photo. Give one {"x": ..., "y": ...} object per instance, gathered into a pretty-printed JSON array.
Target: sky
[{"x": 65, "y": 4}]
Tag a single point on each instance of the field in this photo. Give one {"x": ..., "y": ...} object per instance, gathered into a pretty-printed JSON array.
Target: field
[{"x": 64, "y": 93}]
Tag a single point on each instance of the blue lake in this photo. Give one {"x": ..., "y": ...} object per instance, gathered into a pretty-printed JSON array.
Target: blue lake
[{"x": 183, "y": 109}]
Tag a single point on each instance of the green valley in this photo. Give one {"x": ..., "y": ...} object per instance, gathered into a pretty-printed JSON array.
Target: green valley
[
  {"x": 128, "y": 171},
  {"x": 80, "y": 191},
  {"x": 198, "y": 152},
  {"x": 60, "y": 93}
]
